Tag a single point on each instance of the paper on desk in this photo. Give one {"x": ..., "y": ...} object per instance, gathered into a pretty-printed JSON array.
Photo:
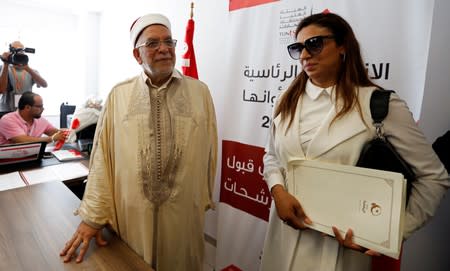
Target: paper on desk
[
  {"x": 59, "y": 172},
  {"x": 370, "y": 202},
  {"x": 66, "y": 155},
  {"x": 50, "y": 147},
  {"x": 10, "y": 181}
]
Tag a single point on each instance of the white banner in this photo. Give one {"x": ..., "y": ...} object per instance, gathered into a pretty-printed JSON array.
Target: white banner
[{"x": 394, "y": 37}]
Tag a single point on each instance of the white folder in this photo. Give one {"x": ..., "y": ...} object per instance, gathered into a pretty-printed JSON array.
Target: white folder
[{"x": 370, "y": 202}]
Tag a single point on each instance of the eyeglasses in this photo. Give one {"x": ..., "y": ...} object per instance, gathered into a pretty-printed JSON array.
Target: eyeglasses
[
  {"x": 313, "y": 45},
  {"x": 155, "y": 44}
]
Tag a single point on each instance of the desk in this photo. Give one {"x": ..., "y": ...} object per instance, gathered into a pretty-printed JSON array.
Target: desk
[
  {"x": 35, "y": 223},
  {"x": 44, "y": 162},
  {"x": 75, "y": 184}
]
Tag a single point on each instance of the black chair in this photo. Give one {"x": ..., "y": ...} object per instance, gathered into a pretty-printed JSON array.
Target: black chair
[
  {"x": 88, "y": 132},
  {"x": 2, "y": 113},
  {"x": 85, "y": 137},
  {"x": 65, "y": 110}
]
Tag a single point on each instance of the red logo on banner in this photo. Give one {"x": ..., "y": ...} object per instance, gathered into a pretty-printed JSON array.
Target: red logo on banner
[
  {"x": 242, "y": 185},
  {"x": 238, "y": 4},
  {"x": 231, "y": 268}
]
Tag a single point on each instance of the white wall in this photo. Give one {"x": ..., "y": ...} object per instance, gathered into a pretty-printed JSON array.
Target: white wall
[
  {"x": 66, "y": 43},
  {"x": 427, "y": 249},
  {"x": 117, "y": 62},
  {"x": 435, "y": 114}
]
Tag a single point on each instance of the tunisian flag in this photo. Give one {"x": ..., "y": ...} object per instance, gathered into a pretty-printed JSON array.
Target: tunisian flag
[{"x": 188, "y": 65}]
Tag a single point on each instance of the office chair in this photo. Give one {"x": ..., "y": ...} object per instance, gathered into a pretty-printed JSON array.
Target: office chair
[
  {"x": 65, "y": 110},
  {"x": 87, "y": 132},
  {"x": 3, "y": 113},
  {"x": 85, "y": 138}
]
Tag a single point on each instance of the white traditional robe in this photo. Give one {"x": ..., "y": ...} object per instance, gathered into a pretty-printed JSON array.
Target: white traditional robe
[
  {"x": 287, "y": 249},
  {"x": 152, "y": 170}
]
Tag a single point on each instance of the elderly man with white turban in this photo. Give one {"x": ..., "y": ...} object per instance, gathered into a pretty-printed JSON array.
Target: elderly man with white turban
[{"x": 154, "y": 159}]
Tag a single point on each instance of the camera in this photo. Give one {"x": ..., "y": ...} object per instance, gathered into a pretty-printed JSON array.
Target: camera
[{"x": 18, "y": 56}]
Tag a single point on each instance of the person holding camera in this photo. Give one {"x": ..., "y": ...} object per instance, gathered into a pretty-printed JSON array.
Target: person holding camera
[{"x": 16, "y": 76}]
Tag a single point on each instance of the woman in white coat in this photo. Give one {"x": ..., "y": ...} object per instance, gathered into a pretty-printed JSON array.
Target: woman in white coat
[{"x": 324, "y": 115}]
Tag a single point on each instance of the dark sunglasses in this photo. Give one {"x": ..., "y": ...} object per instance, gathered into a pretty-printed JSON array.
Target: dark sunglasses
[{"x": 313, "y": 45}]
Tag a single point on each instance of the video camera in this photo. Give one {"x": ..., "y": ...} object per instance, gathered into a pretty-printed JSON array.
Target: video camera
[{"x": 18, "y": 56}]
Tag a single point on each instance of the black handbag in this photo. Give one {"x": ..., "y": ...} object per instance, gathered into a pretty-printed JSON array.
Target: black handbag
[{"x": 379, "y": 153}]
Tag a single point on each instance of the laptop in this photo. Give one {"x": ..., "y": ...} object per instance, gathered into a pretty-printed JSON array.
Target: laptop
[{"x": 22, "y": 154}]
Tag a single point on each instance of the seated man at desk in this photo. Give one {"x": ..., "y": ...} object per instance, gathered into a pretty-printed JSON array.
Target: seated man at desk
[{"x": 26, "y": 125}]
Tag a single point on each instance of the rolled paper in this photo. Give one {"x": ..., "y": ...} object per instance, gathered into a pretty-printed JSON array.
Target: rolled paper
[{"x": 75, "y": 125}]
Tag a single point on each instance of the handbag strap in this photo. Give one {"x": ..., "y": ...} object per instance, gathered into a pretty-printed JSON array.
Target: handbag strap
[{"x": 379, "y": 105}]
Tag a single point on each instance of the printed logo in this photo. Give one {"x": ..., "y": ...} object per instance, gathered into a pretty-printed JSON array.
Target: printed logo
[
  {"x": 372, "y": 208},
  {"x": 376, "y": 209}
]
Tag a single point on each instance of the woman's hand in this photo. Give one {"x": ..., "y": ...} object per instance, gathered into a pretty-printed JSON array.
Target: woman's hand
[
  {"x": 289, "y": 209},
  {"x": 347, "y": 241}
]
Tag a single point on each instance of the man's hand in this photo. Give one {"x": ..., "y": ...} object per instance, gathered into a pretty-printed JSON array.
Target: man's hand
[
  {"x": 82, "y": 236},
  {"x": 289, "y": 209},
  {"x": 60, "y": 135},
  {"x": 5, "y": 57}
]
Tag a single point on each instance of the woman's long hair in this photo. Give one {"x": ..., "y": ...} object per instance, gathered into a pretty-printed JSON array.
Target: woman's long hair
[{"x": 351, "y": 75}]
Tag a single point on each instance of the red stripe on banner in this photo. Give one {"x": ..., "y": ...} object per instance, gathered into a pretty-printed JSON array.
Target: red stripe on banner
[{"x": 238, "y": 4}]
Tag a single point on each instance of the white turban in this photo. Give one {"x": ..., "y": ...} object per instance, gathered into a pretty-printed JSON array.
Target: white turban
[{"x": 143, "y": 22}]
